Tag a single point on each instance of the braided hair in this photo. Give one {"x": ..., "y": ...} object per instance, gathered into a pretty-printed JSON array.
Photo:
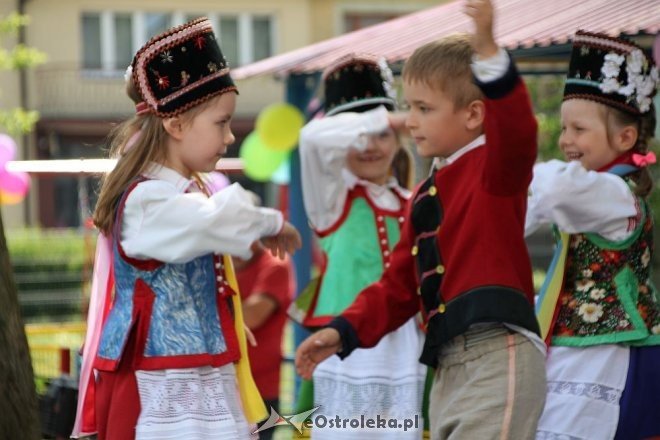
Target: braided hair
[{"x": 645, "y": 124}]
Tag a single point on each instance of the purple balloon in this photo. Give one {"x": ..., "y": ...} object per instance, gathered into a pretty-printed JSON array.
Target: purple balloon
[
  {"x": 14, "y": 183},
  {"x": 7, "y": 150}
]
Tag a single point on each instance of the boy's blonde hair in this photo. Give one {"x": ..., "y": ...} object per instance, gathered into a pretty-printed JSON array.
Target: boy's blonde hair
[{"x": 445, "y": 65}]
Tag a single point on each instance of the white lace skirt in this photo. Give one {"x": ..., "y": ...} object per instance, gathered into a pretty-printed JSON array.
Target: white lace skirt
[
  {"x": 191, "y": 403},
  {"x": 385, "y": 381},
  {"x": 584, "y": 388}
]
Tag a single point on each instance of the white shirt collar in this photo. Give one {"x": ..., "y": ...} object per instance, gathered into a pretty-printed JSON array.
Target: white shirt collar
[
  {"x": 352, "y": 180},
  {"x": 161, "y": 172},
  {"x": 439, "y": 162},
  {"x": 478, "y": 142}
]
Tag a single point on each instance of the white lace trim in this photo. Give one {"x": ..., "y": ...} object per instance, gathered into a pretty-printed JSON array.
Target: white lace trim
[
  {"x": 584, "y": 388},
  {"x": 191, "y": 403},
  {"x": 385, "y": 381}
]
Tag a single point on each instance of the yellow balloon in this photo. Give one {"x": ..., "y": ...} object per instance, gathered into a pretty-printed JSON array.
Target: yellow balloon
[
  {"x": 279, "y": 125},
  {"x": 10, "y": 199}
]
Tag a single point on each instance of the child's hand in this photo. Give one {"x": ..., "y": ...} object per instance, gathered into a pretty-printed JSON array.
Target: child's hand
[
  {"x": 287, "y": 241},
  {"x": 316, "y": 348},
  {"x": 250, "y": 336},
  {"x": 483, "y": 40},
  {"x": 398, "y": 121}
]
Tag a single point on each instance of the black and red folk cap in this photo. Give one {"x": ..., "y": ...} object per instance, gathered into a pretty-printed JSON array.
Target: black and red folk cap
[{"x": 181, "y": 68}]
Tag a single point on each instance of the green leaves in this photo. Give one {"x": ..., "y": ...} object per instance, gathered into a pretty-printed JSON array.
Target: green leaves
[
  {"x": 12, "y": 23},
  {"x": 17, "y": 121},
  {"x": 21, "y": 57}
]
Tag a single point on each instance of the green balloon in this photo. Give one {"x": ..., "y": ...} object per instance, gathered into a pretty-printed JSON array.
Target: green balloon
[{"x": 259, "y": 161}]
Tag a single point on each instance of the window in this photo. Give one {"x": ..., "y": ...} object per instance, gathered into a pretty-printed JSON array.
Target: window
[
  {"x": 91, "y": 29},
  {"x": 157, "y": 23},
  {"x": 123, "y": 32},
  {"x": 229, "y": 39},
  {"x": 261, "y": 38},
  {"x": 110, "y": 39}
]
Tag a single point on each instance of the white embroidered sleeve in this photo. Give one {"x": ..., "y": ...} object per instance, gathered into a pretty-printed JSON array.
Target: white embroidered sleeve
[
  {"x": 577, "y": 200},
  {"x": 162, "y": 223},
  {"x": 324, "y": 145}
]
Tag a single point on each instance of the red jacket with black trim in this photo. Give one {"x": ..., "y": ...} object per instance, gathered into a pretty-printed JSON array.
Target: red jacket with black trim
[{"x": 462, "y": 256}]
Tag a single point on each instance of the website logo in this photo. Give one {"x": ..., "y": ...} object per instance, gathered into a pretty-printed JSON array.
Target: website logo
[{"x": 295, "y": 420}]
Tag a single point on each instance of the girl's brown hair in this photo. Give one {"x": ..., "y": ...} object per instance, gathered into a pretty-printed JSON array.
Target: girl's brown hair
[
  {"x": 645, "y": 130},
  {"x": 148, "y": 148}
]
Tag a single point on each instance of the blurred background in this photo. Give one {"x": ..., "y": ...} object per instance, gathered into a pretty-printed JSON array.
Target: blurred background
[{"x": 70, "y": 87}]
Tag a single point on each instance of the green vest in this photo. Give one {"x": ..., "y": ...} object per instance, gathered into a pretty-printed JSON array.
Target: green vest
[
  {"x": 607, "y": 296},
  {"x": 354, "y": 255}
]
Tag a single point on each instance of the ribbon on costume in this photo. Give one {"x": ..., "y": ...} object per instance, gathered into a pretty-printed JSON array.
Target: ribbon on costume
[
  {"x": 253, "y": 405},
  {"x": 99, "y": 305},
  {"x": 546, "y": 304}
]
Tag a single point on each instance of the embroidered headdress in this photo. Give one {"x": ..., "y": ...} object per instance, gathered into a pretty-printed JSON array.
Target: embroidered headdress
[
  {"x": 180, "y": 68},
  {"x": 613, "y": 71},
  {"x": 358, "y": 83}
]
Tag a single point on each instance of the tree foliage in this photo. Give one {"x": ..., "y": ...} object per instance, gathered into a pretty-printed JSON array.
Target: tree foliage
[{"x": 17, "y": 120}]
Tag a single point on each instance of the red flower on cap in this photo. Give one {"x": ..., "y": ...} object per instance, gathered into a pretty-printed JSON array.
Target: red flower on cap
[
  {"x": 163, "y": 82},
  {"x": 200, "y": 42}
]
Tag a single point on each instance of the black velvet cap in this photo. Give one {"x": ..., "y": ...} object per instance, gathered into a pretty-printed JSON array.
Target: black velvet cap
[
  {"x": 612, "y": 71},
  {"x": 181, "y": 68},
  {"x": 357, "y": 83}
]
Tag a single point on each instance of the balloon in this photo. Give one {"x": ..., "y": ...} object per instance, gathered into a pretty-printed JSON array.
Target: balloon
[
  {"x": 259, "y": 162},
  {"x": 217, "y": 181},
  {"x": 14, "y": 183},
  {"x": 279, "y": 125},
  {"x": 7, "y": 150},
  {"x": 10, "y": 199},
  {"x": 282, "y": 175}
]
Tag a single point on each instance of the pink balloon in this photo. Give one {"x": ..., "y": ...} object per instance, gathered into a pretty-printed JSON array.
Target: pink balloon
[
  {"x": 14, "y": 183},
  {"x": 217, "y": 181},
  {"x": 7, "y": 150}
]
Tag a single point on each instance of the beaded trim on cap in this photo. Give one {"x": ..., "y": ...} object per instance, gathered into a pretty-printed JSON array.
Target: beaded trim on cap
[
  {"x": 181, "y": 68},
  {"x": 612, "y": 71}
]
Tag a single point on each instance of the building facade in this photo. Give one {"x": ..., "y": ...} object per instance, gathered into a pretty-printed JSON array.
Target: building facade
[{"x": 89, "y": 43}]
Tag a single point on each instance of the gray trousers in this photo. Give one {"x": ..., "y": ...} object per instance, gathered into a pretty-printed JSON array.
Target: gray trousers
[{"x": 490, "y": 384}]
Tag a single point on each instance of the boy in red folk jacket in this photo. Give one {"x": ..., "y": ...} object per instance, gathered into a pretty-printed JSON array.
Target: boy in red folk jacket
[{"x": 462, "y": 257}]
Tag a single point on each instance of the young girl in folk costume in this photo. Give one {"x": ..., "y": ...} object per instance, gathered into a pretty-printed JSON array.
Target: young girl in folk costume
[
  {"x": 356, "y": 206},
  {"x": 169, "y": 354},
  {"x": 598, "y": 307}
]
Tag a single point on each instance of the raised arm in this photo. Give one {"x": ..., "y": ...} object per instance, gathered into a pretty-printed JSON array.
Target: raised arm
[
  {"x": 510, "y": 125},
  {"x": 324, "y": 145}
]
